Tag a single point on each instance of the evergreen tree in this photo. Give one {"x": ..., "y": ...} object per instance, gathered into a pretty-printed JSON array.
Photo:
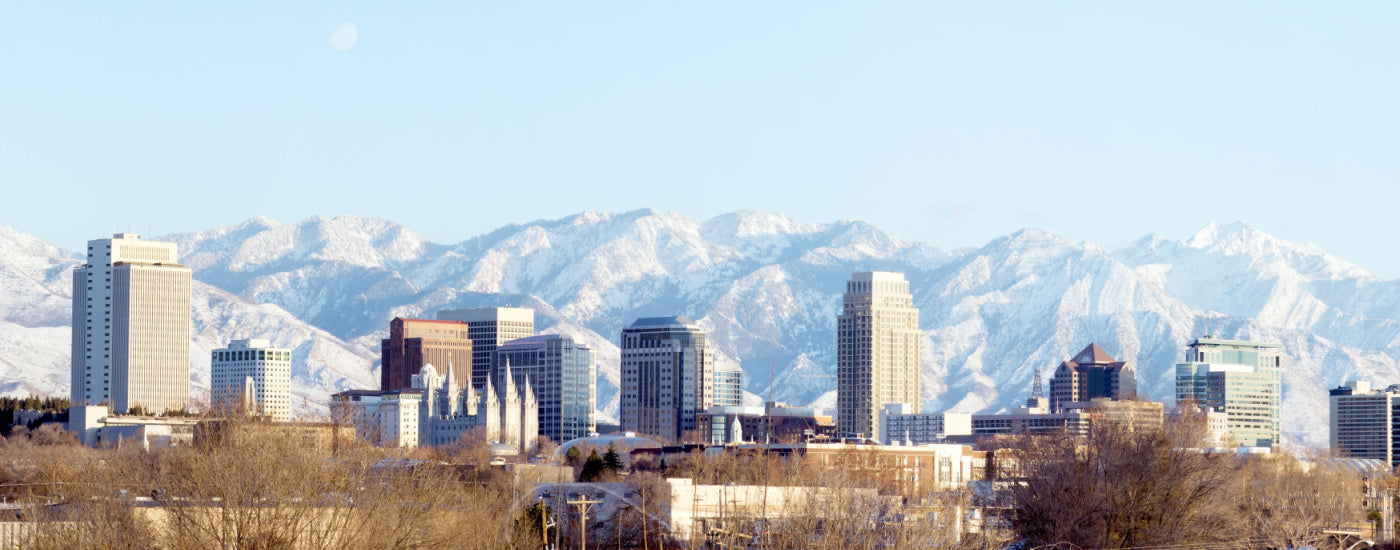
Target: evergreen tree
[
  {"x": 573, "y": 456},
  {"x": 592, "y": 468},
  {"x": 611, "y": 460}
]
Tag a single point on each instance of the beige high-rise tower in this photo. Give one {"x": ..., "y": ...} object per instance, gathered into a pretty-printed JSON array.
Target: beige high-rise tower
[
  {"x": 131, "y": 326},
  {"x": 877, "y": 357}
]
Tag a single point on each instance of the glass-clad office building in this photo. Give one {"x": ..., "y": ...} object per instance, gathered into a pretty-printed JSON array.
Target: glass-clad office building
[
  {"x": 562, "y": 374},
  {"x": 1241, "y": 379}
]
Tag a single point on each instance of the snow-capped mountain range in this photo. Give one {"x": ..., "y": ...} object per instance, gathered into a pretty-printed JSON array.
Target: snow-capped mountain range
[{"x": 767, "y": 290}]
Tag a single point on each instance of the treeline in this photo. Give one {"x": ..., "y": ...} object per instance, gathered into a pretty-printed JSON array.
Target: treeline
[
  {"x": 33, "y": 403},
  {"x": 50, "y": 409},
  {"x": 1118, "y": 487}
]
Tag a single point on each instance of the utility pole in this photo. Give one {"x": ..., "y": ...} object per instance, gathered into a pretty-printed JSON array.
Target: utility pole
[
  {"x": 583, "y": 503},
  {"x": 544, "y": 527}
]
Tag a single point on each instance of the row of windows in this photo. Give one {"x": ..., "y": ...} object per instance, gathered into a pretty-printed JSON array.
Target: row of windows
[{"x": 252, "y": 355}]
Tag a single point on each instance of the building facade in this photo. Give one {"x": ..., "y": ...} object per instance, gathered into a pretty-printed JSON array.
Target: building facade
[
  {"x": 899, "y": 424},
  {"x": 902, "y": 426},
  {"x": 1363, "y": 421},
  {"x": 668, "y": 377},
  {"x": 729, "y": 386},
  {"x": 771, "y": 423},
  {"x": 562, "y": 373},
  {"x": 490, "y": 327},
  {"x": 1091, "y": 374},
  {"x": 131, "y": 326},
  {"x": 385, "y": 418},
  {"x": 1076, "y": 418},
  {"x": 436, "y": 411},
  {"x": 413, "y": 343},
  {"x": 1239, "y": 378},
  {"x": 252, "y": 377},
  {"x": 911, "y": 470},
  {"x": 877, "y": 359}
]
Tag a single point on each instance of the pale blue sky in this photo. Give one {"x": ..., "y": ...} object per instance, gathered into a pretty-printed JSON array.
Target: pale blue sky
[{"x": 950, "y": 123}]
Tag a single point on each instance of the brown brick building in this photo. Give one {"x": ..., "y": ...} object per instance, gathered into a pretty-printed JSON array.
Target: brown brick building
[
  {"x": 1093, "y": 373},
  {"x": 413, "y": 343}
]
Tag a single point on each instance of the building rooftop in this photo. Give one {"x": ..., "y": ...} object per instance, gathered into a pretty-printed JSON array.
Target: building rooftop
[
  {"x": 661, "y": 321},
  {"x": 1093, "y": 354},
  {"x": 481, "y": 314},
  {"x": 416, "y": 320},
  {"x": 1208, "y": 340},
  {"x": 878, "y": 276},
  {"x": 538, "y": 339}
]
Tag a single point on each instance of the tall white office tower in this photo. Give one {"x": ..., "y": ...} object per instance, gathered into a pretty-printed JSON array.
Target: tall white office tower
[
  {"x": 131, "y": 326},
  {"x": 877, "y": 352},
  {"x": 252, "y": 362},
  {"x": 489, "y": 327},
  {"x": 668, "y": 377}
]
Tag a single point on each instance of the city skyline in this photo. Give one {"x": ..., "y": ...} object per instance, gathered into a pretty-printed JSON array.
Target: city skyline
[{"x": 934, "y": 279}]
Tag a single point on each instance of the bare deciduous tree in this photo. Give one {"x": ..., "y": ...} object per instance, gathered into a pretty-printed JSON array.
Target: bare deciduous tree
[{"x": 1123, "y": 486}]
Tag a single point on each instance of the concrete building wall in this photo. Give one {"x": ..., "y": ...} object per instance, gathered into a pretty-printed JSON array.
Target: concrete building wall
[
  {"x": 270, "y": 369},
  {"x": 1363, "y": 422},
  {"x": 413, "y": 343},
  {"x": 131, "y": 326},
  {"x": 897, "y": 425}
]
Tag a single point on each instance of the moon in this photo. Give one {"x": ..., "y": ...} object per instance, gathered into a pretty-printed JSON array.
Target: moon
[{"x": 344, "y": 37}]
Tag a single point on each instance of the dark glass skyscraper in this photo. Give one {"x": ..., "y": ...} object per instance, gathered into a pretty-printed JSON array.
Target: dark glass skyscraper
[{"x": 667, "y": 376}]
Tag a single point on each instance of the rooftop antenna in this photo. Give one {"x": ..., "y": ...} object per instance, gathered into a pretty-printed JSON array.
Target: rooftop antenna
[{"x": 1036, "y": 399}]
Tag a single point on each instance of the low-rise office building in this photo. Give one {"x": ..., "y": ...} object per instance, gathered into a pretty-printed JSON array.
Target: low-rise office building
[
  {"x": 774, "y": 422},
  {"x": 912, "y": 469},
  {"x": 899, "y": 424},
  {"x": 97, "y": 426},
  {"x": 1075, "y": 418}
]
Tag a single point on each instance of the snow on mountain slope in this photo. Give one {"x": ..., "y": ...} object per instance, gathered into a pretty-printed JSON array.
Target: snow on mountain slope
[
  {"x": 1237, "y": 270},
  {"x": 35, "y": 300},
  {"x": 768, "y": 289},
  {"x": 321, "y": 363}
]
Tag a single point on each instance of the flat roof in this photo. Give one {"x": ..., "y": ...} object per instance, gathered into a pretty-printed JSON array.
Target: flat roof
[
  {"x": 1223, "y": 342},
  {"x": 417, "y": 320},
  {"x": 661, "y": 321},
  {"x": 538, "y": 339},
  {"x": 481, "y": 314}
]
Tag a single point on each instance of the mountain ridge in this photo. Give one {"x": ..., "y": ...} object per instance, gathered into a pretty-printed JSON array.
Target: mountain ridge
[{"x": 768, "y": 288}]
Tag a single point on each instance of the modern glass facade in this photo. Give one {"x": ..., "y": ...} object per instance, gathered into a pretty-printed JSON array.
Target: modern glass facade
[
  {"x": 729, "y": 388},
  {"x": 562, "y": 374},
  {"x": 1241, "y": 379},
  {"x": 668, "y": 377}
]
